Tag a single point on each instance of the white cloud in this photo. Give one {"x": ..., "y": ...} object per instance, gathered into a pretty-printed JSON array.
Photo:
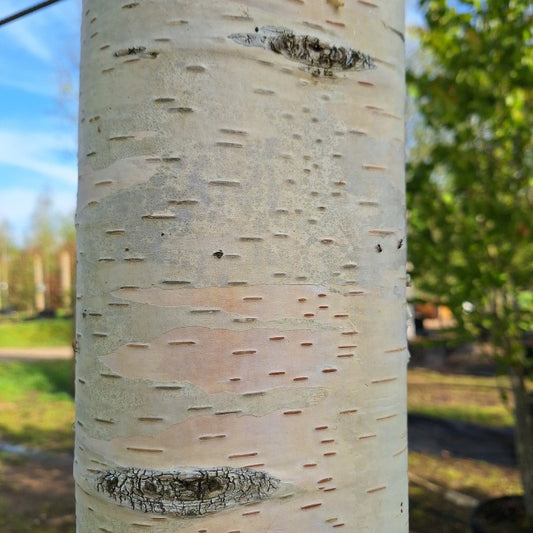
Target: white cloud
[
  {"x": 40, "y": 152},
  {"x": 38, "y": 47},
  {"x": 24, "y": 34},
  {"x": 37, "y": 152},
  {"x": 18, "y": 204},
  {"x": 30, "y": 83},
  {"x": 28, "y": 33},
  {"x": 44, "y": 33}
]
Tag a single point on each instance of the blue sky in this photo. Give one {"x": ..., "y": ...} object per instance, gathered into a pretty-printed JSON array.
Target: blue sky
[
  {"x": 38, "y": 93},
  {"x": 38, "y": 62}
]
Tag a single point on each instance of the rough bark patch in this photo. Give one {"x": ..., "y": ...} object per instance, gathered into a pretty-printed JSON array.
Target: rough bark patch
[
  {"x": 321, "y": 57},
  {"x": 186, "y": 492}
]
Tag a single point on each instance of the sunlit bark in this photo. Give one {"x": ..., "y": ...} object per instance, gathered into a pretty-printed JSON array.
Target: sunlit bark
[{"x": 241, "y": 281}]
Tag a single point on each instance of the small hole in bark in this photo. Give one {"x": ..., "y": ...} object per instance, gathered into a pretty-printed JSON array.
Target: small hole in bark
[{"x": 218, "y": 254}]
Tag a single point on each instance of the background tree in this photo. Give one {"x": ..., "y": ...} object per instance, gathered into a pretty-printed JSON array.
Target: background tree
[
  {"x": 43, "y": 243},
  {"x": 52, "y": 239},
  {"x": 470, "y": 181},
  {"x": 20, "y": 275},
  {"x": 241, "y": 281},
  {"x": 6, "y": 248}
]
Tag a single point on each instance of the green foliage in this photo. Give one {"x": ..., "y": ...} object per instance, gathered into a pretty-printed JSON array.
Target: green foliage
[{"x": 470, "y": 179}]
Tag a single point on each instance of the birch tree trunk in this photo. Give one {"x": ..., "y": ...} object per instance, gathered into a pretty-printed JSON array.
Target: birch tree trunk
[
  {"x": 241, "y": 282},
  {"x": 65, "y": 279},
  {"x": 38, "y": 280}
]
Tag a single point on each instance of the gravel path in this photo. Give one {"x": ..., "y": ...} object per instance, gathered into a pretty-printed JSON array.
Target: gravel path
[{"x": 29, "y": 354}]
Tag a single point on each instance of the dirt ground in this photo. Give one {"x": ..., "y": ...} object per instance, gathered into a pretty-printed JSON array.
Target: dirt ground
[{"x": 37, "y": 495}]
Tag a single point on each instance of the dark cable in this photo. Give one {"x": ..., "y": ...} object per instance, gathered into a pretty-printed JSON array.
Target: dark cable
[{"x": 27, "y": 11}]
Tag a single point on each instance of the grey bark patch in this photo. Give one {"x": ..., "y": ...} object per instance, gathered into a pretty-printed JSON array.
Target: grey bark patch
[
  {"x": 321, "y": 57},
  {"x": 186, "y": 492}
]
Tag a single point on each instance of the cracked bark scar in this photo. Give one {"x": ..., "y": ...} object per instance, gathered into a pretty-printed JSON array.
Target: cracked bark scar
[
  {"x": 320, "y": 56},
  {"x": 186, "y": 493}
]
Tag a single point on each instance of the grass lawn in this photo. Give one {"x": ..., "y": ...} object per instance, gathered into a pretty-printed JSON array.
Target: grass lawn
[
  {"x": 474, "y": 399},
  {"x": 40, "y": 332},
  {"x": 36, "y": 411},
  {"x": 36, "y": 404},
  {"x": 478, "y": 400},
  {"x": 433, "y": 508}
]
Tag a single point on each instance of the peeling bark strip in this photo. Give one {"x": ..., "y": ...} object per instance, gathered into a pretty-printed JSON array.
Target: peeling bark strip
[
  {"x": 305, "y": 49},
  {"x": 186, "y": 492}
]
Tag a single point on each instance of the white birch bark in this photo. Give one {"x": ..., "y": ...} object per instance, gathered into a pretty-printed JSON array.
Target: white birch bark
[
  {"x": 65, "y": 279},
  {"x": 241, "y": 281},
  {"x": 38, "y": 280}
]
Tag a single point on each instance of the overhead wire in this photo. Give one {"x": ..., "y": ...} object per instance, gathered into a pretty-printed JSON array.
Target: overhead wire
[{"x": 27, "y": 11}]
